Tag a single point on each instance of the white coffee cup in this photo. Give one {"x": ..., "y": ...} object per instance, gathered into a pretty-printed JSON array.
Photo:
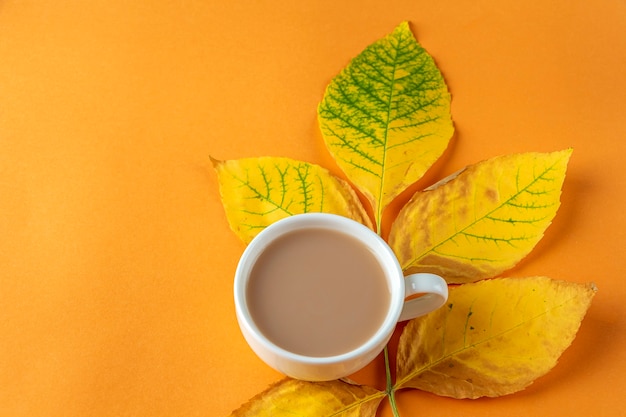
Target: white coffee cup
[{"x": 433, "y": 288}]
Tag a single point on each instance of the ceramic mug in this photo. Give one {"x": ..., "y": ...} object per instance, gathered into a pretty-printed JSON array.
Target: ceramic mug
[{"x": 432, "y": 288}]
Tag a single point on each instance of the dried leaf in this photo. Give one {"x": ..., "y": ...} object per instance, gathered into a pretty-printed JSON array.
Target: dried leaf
[
  {"x": 482, "y": 221},
  {"x": 494, "y": 337},
  {"x": 259, "y": 191},
  {"x": 291, "y": 397},
  {"x": 386, "y": 117}
]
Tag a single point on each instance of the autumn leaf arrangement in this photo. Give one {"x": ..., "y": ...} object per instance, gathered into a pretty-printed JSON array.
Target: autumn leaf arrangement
[{"x": 385, "y": 119}]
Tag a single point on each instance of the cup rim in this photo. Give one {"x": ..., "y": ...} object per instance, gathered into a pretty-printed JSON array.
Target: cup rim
[{"x": 391, "y": 266}]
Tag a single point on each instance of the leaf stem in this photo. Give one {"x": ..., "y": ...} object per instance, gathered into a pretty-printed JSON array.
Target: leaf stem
[{"x": 390, "y": 389}]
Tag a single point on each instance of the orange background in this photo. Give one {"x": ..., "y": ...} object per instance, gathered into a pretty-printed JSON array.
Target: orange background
[{"x": 116, "y": 261}]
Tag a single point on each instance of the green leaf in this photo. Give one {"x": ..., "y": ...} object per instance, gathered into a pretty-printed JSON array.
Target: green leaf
[
  {"x": 386, "y": 117},
  {"x": 256, "y": 192},
  {"x": 483, "y": 220},
  {"x": 493, "y": 338}
]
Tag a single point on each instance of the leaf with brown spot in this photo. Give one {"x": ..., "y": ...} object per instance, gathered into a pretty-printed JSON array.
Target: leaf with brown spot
[
  {"x": 291, "y": 397},
  {"x": 494, "y": 338},
  {"x": 483, "y": 220}
]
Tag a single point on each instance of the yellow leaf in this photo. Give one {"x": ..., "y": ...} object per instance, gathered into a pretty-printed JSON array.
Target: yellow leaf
[
  {"x": 386, "y": 117},
  {"x": 259, "y": 191},
  {"x": 494, "y": 338},
  {"x": 482, "y": 221},
  {"x": 291, "y": 397}
]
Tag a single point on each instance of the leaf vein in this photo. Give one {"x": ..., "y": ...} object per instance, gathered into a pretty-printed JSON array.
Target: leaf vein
[
  {"x": 429, "y": 366},
  {"x": 520, "y": 190}
]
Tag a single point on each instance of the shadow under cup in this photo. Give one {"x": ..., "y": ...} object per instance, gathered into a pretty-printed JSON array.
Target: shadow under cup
[{"x": 318, "y": 296}]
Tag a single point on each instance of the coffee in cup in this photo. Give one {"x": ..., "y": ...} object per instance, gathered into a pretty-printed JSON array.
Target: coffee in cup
[{"x": 317, "y": 296}]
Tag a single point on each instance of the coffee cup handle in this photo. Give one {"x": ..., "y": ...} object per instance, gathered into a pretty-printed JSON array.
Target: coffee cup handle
[{"x": 434, "y": 290}]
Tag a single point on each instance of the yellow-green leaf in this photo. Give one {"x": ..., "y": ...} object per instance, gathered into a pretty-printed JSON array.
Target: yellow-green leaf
[
  {"x": 256, "y": 192},
  {"x": 493, "y": 338},
  {"x": 291, "y": 397},
  {"x": 482, "y": 221},
  {"x": 386, "y": 117}
]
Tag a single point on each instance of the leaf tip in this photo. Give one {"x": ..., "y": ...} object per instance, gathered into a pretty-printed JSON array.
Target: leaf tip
[
  {"x": 215, "y": 162},
  {"x": 404, "y": 24},
  {"x": 566, "y": 153},
  {"x": 569, "y": 151},
  {"x": 403, "y": 27},
  {"x": 593, "y": 287}
]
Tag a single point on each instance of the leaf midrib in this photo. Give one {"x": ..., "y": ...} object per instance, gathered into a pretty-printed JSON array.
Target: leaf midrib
[
  {"x": 399, "y": 383},
  {"x": 364, "y": 400},
  {"x": 379, "y": 203},
  {"x": 486, "y": 215}
]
